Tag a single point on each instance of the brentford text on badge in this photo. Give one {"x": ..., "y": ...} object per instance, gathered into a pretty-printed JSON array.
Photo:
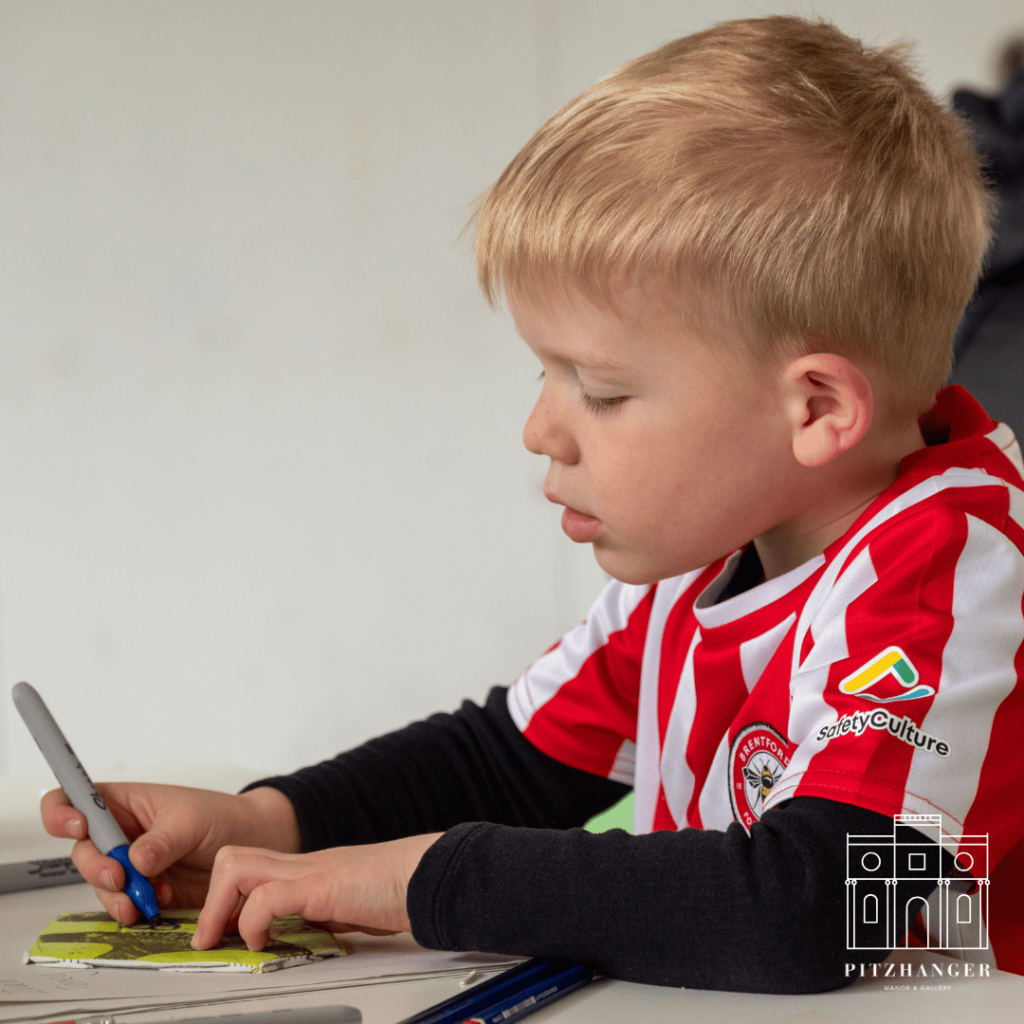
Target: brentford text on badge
[{"x": 757, "y": 758}]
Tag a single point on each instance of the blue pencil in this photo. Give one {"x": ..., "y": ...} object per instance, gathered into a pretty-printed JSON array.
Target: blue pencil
[
  {"x": 533, "y": 995},
  {"x": 511, "y": 994}
]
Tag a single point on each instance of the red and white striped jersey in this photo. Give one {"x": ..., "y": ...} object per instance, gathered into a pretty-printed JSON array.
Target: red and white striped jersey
[{"x": 884, "y": 672}]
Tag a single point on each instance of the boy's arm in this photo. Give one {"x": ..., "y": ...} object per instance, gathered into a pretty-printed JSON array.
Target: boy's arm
[
  {"x": 764, "y": 912},
  {"x": 472, "y": 765},
  {"x": 701, "y": 909}
]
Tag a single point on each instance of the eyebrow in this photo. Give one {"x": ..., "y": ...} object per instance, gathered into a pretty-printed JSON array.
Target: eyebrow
[{"x": 598, "y": 363}]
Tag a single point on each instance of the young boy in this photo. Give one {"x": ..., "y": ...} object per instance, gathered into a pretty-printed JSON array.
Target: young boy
[{"x": 740, "y": 261}]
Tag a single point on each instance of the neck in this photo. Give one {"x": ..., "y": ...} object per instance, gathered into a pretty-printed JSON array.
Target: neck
[{"x": 838, "y": 494}]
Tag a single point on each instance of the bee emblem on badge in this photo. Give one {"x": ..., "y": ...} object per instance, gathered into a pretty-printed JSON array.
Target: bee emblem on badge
[{"x": 761, "y": 778}]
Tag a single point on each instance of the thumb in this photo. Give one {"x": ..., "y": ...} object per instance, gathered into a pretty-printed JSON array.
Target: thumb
[{"x": 163, "y": 845}]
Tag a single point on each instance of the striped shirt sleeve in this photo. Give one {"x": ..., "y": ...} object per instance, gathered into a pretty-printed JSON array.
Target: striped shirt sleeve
[
  {"x": 578, "y": 702},
  {"x": 908, "y": 682}
]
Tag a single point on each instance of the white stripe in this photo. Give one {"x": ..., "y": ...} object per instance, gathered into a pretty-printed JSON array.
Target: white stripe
[
  {"x": 1017, "y": 505},
  {"x": 713, "y": 804},
  {"x": 676, "y": 777},
  {"x": 1002, "y": 437},
  {"x": 977, "y": 669},
  {"x": 647, "y": 777},
  {"x": 759, "y": 650},
  {"x": 969, "y": 941},
  {"x": 955, "y": 477},
  {"x": 829, "y": 637},
  {"x": 712, "y": 616},
  {"x": 543, "y": 679},
  {"x": 808, "y": 710},
  {"x": 625, "y": 764}
]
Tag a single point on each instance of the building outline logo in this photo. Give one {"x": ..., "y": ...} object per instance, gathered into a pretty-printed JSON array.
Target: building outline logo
[
  {"x": 894, "y": 663},
  {"x": 952, "y": 918}
]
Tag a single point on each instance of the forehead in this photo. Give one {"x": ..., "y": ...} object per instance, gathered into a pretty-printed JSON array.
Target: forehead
[
  {"x": 567, "y": 326},
  {"x": 616, "y": 333}
]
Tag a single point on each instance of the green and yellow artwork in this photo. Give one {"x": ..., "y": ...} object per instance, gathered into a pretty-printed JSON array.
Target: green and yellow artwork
[{"x": 94, "y": 938}]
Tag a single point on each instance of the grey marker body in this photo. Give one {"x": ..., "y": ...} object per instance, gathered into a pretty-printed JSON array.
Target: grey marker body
[
  {"x": 104, "y": 830},
  {"x": 73, "y": 778}
]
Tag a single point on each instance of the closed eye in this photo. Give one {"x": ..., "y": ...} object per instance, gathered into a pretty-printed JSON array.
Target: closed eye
[
  {"x": 592, "y": 402},
  {"x": 599, "y": 405}
]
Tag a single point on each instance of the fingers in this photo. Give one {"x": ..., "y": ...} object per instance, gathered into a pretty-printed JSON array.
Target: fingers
[
  {"x": 171, "y": 837},
  {"x": 105, "y": 875},
  {"x": 240, "y": 876},
  {"x": 265, "y": 885},
  {"x": 274, "y": 899},
  {"x": 363, "y": 885},
  {"x": 60, "y": 818}
]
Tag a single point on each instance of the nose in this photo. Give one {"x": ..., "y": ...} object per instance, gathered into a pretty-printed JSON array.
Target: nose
[{"x": 547, "y": 431}]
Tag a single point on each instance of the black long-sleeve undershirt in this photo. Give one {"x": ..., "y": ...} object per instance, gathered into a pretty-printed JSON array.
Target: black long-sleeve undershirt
[{"x": 515, "y": 874}]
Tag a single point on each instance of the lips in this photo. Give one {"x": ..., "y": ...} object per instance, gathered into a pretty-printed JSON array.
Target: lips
[
  {"x": 576, "y": 525},
  {"x": 579, "y": 527}
]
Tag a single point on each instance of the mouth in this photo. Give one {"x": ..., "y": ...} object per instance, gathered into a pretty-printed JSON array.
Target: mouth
[{"x": 579, "y": 527}]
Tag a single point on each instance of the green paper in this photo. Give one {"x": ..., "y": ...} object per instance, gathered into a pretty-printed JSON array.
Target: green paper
[{"x": 95, "y": 939}]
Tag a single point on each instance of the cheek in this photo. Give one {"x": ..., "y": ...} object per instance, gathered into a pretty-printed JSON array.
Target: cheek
[
  {"x": 653, "y": 494},
  {"x": 630, "y": 471}
]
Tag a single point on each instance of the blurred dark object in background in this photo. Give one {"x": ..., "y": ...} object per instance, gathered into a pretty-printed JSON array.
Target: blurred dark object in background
[{"x": 989, "y": 345}]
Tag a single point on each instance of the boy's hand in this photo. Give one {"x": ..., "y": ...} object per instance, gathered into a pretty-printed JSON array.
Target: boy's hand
[
  {"x": 347, "y": 888},
  {"x": 175, "y": 833}
]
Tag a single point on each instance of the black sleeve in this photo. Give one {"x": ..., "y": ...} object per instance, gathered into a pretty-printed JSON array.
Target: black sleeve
[
  {"x": 700, "y": 909},
  {"x": 704, "y": 909},
  {"x": 473, "y": 765}
]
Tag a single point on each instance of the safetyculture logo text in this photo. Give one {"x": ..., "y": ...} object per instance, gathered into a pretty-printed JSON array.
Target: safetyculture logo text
[{"x": 904, "y": 729}]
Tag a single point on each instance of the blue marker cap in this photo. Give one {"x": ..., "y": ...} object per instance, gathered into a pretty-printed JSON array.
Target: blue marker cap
[{"x": 137, "y": 885}]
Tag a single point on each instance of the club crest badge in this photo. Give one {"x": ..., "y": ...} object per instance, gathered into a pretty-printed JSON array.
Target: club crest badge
[{"x": 757, "y": 758}]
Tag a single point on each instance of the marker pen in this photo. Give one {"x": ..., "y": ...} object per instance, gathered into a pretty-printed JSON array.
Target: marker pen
[
  {"x": 513, "y": 993},
  {"x": 38, "y": 874},
  {"x": 104, "y": 831},
  {"x": 286, "y": 1015}
]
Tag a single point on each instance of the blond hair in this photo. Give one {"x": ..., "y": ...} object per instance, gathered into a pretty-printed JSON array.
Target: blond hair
[{"x": 805, "y": 188}]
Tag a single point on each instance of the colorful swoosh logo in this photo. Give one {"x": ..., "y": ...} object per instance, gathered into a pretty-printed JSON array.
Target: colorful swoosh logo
[{"x": 891, "y": 662}]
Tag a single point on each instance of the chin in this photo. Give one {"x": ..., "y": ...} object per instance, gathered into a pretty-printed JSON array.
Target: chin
[
  {"x": 639, "y": 571},
  {"x": 634, "y": 573}
]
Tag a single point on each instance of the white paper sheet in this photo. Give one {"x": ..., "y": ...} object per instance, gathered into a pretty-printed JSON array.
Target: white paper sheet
[{"x": 33, "y": 993}]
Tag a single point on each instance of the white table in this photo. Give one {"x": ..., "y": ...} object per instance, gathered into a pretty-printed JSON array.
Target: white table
[{"x": 998, "y": 999}]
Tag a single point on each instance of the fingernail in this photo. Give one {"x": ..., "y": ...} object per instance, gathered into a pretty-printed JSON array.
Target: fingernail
[{"x": 73, "y": 829}]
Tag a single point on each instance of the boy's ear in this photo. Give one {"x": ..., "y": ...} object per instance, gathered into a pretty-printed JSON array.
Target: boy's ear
[{"x": 829, "y": 404}]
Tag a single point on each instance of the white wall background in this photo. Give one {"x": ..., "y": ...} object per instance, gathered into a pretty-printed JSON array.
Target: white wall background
[{"x": 262, "y": 492}]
